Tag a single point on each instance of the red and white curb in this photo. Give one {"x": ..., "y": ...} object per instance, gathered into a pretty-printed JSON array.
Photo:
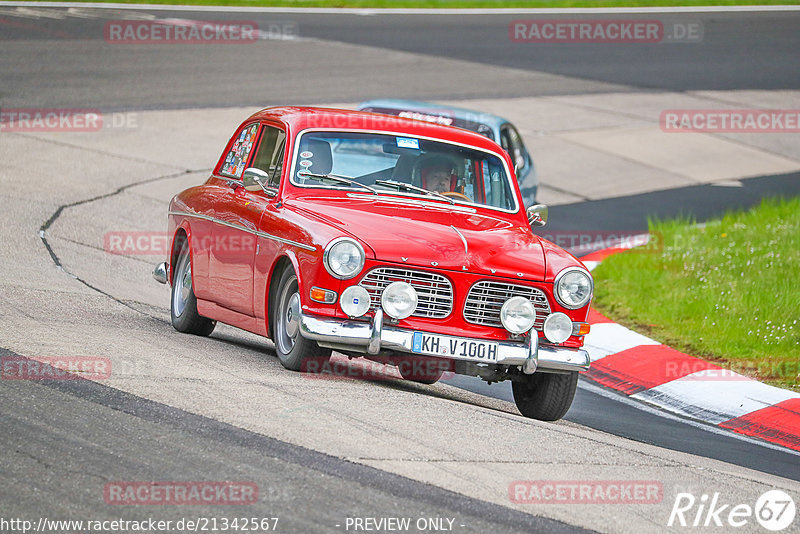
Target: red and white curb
[{"x": 646, "y": 370}]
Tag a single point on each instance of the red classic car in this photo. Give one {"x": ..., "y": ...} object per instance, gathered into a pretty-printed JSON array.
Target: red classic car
[{"x": 385, "y": 238}]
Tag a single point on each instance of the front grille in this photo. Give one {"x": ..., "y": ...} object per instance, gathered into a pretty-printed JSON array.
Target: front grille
[
  {"x": 487, "y": 297},
  {"x": 434, "y": 291}
]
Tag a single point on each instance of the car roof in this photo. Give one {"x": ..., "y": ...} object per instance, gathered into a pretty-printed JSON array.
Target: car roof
[
  {"x": 299, "y": 118},
  {"x": 464, "y": 114}
]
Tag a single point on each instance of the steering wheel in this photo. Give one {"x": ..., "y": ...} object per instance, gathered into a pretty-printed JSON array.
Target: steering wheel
[{"x": 456, "y": 194}]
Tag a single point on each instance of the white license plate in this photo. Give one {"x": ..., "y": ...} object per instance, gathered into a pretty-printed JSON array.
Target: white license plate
[{"x": 454, "y": 347}]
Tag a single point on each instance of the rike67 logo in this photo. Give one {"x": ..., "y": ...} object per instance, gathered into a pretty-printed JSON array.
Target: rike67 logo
[{"x": 774, "y": 510}]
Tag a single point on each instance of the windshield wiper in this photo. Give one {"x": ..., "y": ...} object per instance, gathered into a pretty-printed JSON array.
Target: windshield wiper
[
  {"x": 338, "y": 179},
  {"x": 410, "y": 187}
]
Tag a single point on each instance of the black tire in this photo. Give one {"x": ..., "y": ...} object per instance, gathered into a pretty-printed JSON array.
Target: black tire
[
  {"x": 183, "y": 303},
  {"x": 295, "y": 352},
  {"x": 545, "y": 396},
  {"x": 421, "y": 370}
]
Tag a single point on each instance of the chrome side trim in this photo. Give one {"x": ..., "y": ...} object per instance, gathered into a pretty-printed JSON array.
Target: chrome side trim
[
  {"x": 375, "y": 336},
  {"x": 244, "y": 229}
]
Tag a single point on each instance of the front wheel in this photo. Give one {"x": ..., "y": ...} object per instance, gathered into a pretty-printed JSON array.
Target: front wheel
[
  {"x": 295, "y": 352},
  {"x": 545, "y": 396},
  {"x": 183, "y": 309}
]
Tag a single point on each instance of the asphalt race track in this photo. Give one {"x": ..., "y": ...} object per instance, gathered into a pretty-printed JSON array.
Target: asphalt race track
[{"x": 325, "y": 451}]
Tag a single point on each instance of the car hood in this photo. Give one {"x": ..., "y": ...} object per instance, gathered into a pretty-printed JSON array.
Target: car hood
[{"x": 433, "y": 234}]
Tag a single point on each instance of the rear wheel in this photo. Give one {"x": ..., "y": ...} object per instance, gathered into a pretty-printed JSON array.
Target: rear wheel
[
  {"x": 295, "y": 352},
  {"x": 545, "y": 396},
  {"x": 183, "y": 309}
]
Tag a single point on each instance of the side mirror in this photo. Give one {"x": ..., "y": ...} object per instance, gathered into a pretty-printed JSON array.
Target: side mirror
[
  {"x": 256, "y": 180},
  {"x": 537, "y": 215}
]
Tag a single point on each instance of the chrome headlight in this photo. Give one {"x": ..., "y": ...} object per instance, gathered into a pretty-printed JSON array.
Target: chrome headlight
[
  {"x": 557, "y": 327},
  {"x": 573, "y": 288},
  {"x": 343, "y": 258},
  {"x": 399, "y": 300},
  {"x": 517, "y": 315}
]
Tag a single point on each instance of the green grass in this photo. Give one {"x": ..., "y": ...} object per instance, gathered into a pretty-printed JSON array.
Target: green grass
[
  {"x": 458, "y": 3},
  {"x": 727, "y": 291}
]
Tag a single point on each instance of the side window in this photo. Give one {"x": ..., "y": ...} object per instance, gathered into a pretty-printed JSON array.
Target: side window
[
  {"x": 269, "y": 156},
  {"x": 512, "y": 142},
  {"x": 236, "y": 159},
  {"x": 505, "y": 140}
]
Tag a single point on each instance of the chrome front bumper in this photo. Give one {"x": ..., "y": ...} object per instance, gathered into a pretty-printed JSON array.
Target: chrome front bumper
[
  {"x": 160, "y": 273},
  {"x": 373, "y": 337}
]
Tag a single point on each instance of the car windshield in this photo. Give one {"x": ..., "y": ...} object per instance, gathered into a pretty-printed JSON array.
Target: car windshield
[{"x": 402, "y": 165}]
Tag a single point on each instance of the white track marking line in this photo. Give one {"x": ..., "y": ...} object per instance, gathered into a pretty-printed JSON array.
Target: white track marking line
[
  {"x": 658, "y": 411},
  {"x": 713, "y": 397},
  {"x": 605, "y": 339},
  {"x": 434, "y": 11},
  {"x": 262, "y": 35}
]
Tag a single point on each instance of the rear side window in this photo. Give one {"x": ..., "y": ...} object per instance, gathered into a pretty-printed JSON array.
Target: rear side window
[{"x": 236, "y": 159}]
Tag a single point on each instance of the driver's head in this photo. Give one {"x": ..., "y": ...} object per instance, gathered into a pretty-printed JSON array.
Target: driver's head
[{"x": 436, "y": 174}]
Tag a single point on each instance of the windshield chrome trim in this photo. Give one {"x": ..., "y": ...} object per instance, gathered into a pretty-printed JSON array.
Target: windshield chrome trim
[{"x": 301, "y": 133}]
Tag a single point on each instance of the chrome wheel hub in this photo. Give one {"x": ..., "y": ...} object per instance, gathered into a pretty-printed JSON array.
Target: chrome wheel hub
[
  {"x": 183, "y": 286},
  {"x": 293, "y": 316}
]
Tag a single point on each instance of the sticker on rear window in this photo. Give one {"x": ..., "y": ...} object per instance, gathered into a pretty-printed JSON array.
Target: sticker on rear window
[
  {"x": 407, "y": 142},
  {"x": 237, "y": 157}
]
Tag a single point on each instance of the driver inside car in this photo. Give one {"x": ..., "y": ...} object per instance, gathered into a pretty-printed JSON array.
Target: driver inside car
[
  {"x": 439, "y": 180},
  {"x": 437, "y": 175}
]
